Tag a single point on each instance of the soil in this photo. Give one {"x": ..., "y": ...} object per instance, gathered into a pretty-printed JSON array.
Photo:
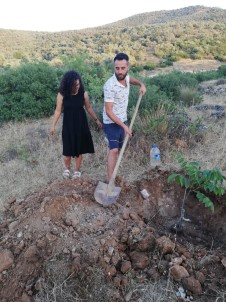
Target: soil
[
  {"x": 135, "y": 236},
  {"x": 59, "y": 244}
]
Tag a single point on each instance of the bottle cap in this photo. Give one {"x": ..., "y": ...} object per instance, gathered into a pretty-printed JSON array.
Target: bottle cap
[{"x": 154, "y": 145}]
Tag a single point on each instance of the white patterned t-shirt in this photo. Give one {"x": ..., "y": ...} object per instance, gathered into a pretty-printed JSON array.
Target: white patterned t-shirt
[{"x": 118, "y": 94}]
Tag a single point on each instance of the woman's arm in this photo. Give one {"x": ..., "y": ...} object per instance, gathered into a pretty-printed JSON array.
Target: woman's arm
[
  {"x": 57, "y": 113},
  {"x": 90, "y": 110}
]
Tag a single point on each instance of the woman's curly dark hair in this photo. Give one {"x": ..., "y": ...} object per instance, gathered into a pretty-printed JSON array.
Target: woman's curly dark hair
[{"x": 68, "y": 81}]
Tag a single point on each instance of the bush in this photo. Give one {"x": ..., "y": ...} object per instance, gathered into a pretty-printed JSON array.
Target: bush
[
  {"x": 222, "y": 70},
  {"x": 206, "y": 76},
  {"x": 171, "y": 83},
  {"x": 201, "y": 182},
  {"x": 189, "y": 96},
  {"x": 28, "y": 92}
]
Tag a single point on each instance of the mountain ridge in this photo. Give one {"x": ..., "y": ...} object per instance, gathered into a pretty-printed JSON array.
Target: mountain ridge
[
  {"x": 190, "y": 32},
  {"x": 187, "y": 12}
]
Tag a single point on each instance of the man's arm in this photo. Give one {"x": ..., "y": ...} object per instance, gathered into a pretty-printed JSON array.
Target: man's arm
[
  {"x": 114, "y": 118},
  {"x": 134, "y": 81}
]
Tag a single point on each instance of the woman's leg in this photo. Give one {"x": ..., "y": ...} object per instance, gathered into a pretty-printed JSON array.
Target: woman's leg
[
  {"x": 67, "y": 162},
  {"x": 78, "y": 162}
]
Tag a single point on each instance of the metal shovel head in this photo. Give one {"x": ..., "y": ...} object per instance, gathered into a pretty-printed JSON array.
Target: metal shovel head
[{"x": 106, "y": 194}]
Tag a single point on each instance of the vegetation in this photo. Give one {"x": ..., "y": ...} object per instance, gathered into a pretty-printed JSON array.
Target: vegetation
[
  {"x": 29, "y": 91},
  {"x": 30, "y": 160},
  {"x": 201, "y": 182},
  {"x": 151, "y": 39}
]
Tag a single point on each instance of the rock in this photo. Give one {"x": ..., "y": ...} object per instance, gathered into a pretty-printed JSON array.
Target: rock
[
  {"x": 32, "y": 254},
  {"x": 125, "y": 267},
  {"x": 139, "y": 260},
  {"x": 117, "y": 281},
  {"x": 192, "y": 285},
  {"x": 76, "y": 265},
  {"x": 26, "y": 298},
  {"x": 148, "y": 243},
  {"x": 125, "y": 213},
  {"x": 134, "y": 216},
  {"x": 13, "y": 225},
  {"x": 176, "y": 260},
  {"x": 111, "y": 271},
  {"x": 6, "y": 260},
  {"x": 178, "y": 272},
  {"x": 200, "y": 277},
  {"x": 223, "y": 261},
  {"x": 165, "y": 245}
]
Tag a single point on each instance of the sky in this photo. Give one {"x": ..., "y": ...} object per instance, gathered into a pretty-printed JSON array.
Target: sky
[{"x": 56, "y": 15}]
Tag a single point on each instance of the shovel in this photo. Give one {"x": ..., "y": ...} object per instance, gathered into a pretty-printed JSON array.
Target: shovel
[{"x": 107, "y": 194}]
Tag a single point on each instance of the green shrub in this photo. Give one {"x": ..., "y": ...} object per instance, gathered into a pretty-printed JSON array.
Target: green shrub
[
  {"x": 189, "y": 96},
  {"x": 201, "y": 182},
  {"x": 172, "y": 82},
  {"x": 222, "y": 70},
  {"x": 28, "y": 91},
  {"x": 206, "y": 76}
]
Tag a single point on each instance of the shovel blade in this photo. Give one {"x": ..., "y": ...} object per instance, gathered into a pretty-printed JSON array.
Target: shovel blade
[{"x": 105, "y": 194}]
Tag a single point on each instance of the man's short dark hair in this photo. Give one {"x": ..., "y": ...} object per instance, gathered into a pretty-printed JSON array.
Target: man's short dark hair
[{"x": 121, "y": 56}]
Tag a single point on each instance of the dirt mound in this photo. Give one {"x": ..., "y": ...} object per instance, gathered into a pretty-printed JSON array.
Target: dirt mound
[{"x": 60, "y": 245}]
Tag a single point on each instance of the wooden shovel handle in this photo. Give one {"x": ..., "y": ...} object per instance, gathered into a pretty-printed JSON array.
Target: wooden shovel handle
[{"x": 111, "y": 182}]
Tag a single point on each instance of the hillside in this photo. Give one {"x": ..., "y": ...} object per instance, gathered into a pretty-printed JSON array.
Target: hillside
[
  {"x": 194, "y": 32},
  {"x": 57, "y": 244},
  {"x": 191, "y": 13}
]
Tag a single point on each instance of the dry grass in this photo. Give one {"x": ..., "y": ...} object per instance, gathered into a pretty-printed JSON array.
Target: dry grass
[
  {"x": 61, "y": 286},
  {"x": 29, "y": 160}
]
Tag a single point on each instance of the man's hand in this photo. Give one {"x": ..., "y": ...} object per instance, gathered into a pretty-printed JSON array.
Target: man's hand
[
  {"x": 142, "y": 89},
  {"x": 127, "y": 131}
]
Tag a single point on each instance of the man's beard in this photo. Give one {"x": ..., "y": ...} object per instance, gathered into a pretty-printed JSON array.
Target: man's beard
[{"x": 120, "y": 77}]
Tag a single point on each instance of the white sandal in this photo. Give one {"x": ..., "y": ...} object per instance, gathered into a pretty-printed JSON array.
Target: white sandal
[
  {"x": 76, "y": 174},
  {"x": 66, "y": 174}
]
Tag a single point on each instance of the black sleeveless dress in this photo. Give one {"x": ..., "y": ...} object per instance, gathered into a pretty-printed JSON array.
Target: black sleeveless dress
[{"x": 76, "y": 134}]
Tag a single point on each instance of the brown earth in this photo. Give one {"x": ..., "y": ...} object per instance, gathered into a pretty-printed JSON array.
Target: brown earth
[
  {"x": 64, "y": 225},
  {"x": 188, "y": 65},
  {"x": 59, "y": 244}
]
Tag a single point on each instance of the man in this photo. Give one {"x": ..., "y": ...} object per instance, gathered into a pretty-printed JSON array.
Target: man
[{"x": 116, "y": 96}]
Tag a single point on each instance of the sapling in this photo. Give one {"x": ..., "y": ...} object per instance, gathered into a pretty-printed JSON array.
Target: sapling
[{"x": 200, "y": 182}]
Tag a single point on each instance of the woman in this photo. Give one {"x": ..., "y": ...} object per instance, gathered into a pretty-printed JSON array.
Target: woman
[{"x": 76, "y": 136}]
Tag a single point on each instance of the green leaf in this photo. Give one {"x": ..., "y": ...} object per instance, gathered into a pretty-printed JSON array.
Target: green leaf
[
  {"x": 186, "y": 183},
  {"x": 205, "y": 200},
  {"x": 172, "y": 177}
]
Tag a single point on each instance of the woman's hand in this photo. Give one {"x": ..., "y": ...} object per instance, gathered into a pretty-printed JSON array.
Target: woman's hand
[
  {"x": 52, "y": 130},
  {"x": 99, "y": 124}
]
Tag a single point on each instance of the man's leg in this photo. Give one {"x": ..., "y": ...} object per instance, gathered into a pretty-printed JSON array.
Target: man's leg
[
  {"x": 115, "y": 137},
  {"x": 112, "y": 158}
]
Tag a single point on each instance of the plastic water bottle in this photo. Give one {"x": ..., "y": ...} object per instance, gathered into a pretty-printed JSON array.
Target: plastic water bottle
[{"x": 155, "y": 157}]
